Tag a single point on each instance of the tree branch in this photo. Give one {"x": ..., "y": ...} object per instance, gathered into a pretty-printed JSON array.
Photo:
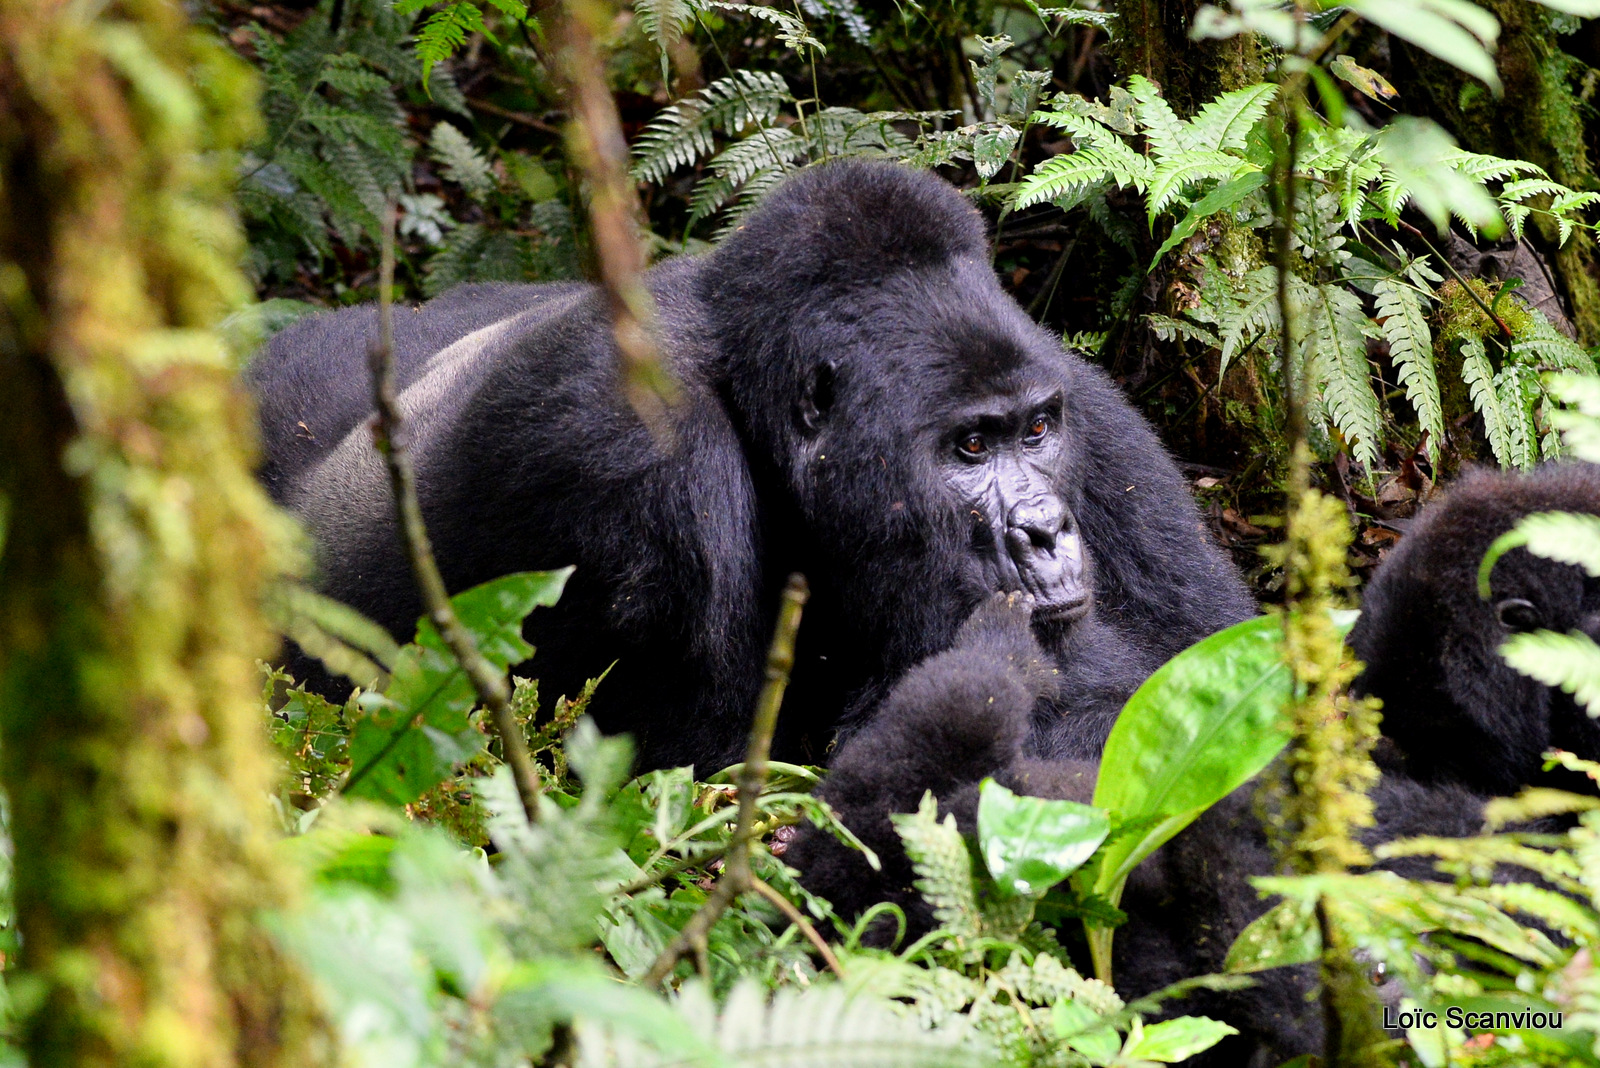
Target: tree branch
[
  {"x": 736, "y": 875},
  {"x": 388, "y": 436}
]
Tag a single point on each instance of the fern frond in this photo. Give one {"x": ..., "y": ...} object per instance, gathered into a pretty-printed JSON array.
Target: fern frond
[
  {"x": 768, "y": 149},
  {"x": 1255, "y": 314},
  {"x": 1570, "y": 661},
  {"x": 663, "y": 22},
  {"x": 1516, "y": 386},
  {"x": 1175, "y": 174},
  {"x": 939, "y": 856},
  {"x": 684, "y": 132},
  {"x": 1226, "y": 122},
  {"x": 445, "y": 31},
  {"x": 1337, "y": 339},
  {"x": 461, "y": 161},
  {"x": 1168, "y": 329},
  {"x": 1478, "y": 375},
  {"x": 1071, "y": 173},
  {"x": 1540, "y": 345},
  {"x": 1411, "y": 348},
  {"x": 1169, "y": 136},
  {"x": 1481, "y": 168},
  {"x": 791, "y": 29}
]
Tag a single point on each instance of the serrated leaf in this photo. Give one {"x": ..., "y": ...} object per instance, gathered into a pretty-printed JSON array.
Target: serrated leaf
[
  {"x": 1411, "y": 347},
  {"x": 1226, "y": 121},
  {"x": 1337, "y": 340}
]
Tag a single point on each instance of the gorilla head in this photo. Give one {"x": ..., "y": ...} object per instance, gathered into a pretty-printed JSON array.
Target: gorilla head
[
  {"x": 1431, "y": 644},
  {"x": 936, "y": 444}
]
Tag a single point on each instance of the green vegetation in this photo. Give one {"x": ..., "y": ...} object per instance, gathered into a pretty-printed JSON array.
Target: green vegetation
[{"x": 1278, "y": 264}]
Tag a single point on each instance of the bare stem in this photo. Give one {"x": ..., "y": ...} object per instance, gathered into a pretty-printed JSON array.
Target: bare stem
[
  {"x": 784, "y": 906},
  {"x": 388, "y": 434},
  {"x": 736, "y": 875}
]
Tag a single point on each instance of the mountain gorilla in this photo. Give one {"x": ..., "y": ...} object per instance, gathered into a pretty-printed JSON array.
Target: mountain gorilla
[
  {"x": 860, "y": 401},
  {"x": 1459, "y": 723}
]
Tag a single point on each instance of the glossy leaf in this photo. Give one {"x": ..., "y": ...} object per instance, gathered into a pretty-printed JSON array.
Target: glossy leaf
[
  {"x": 1203, "y": 724},
  {"x": 1081, "y": 1028},
  {"x": 1030, "y": 844}
]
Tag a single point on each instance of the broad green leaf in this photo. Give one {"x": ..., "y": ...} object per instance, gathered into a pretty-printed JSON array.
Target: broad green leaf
[
  {"x": 493, "y": 613},
  {"x": 1586, "y": 9},
  {"x": 1284, "y": 934},
  {"x": 1083, "y": 1029},
  {"x": 992, "y": 147},
  {"x": 1204, "y": 723},
  {"x": 1031, "y": 843},
  {"x": 1176, "y": 1040}
]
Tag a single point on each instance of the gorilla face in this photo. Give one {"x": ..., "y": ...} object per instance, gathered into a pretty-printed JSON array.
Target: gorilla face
[
  {"x": 1431, "y": 644},
  {"x": 1001, "y": 460}
]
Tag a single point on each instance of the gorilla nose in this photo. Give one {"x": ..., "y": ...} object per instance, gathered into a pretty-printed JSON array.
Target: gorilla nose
[{"x": 1040, "y": 519}]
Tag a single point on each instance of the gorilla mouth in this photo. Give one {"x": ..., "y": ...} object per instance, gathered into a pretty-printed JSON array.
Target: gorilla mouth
[{"x": 1073, "y": 606}]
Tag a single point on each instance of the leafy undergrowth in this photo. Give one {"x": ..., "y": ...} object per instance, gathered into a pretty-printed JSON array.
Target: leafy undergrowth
[{"x": 447, "y": 928}]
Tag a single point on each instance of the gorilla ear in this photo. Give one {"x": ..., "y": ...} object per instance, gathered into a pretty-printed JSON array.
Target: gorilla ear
[
  {"x": 817, "y": 400},
  {"x": 1517, "y": 615}
]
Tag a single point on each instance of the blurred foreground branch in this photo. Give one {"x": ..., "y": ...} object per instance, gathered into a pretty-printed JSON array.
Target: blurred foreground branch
[{"x": 595, "y": 141}]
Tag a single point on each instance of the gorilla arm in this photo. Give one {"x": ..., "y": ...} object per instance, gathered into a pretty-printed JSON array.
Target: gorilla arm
[{"x": 952, "y": 720}]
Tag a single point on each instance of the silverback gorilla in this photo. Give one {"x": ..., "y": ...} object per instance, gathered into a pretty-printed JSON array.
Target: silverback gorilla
[
  {"x": 1460, "y": 724},
  {"x": 861, "y": 402}
]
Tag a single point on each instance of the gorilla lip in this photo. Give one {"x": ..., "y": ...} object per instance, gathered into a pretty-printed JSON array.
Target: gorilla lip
[{"x": 1062, "y": 611}]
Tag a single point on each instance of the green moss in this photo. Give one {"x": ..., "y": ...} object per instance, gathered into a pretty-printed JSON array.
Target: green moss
[{"x": 130, "y": 740}]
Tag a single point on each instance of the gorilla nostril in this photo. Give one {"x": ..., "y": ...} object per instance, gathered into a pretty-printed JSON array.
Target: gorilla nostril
[{"x": 1041, "y": 521}]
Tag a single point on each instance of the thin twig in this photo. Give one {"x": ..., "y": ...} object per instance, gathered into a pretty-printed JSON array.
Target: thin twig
[
  {"x": 388, "y": 435},
  {"x": 736, "y": 875},
  {"x": 786, "y": 907},
  {"x": 521, "y": 118}
]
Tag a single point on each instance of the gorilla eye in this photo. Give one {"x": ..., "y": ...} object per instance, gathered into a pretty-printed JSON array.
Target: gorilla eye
[
  {"x": 1038, "y": 428},
  {"x": 973, "y": 445},
  {"x": 1517, "y": 615}
]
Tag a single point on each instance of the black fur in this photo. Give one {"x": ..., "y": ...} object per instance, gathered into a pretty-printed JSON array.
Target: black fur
[
  {"x": 1454, "y": 708},
  {"x": 823, "y": 352}
]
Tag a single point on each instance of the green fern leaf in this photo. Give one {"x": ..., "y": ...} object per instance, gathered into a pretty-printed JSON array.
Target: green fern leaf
[
  {"x": 1477, "y": 373},
  {"x": 1254, "y": 314},
  {"x": 1072, "y": 173},
  {"x": 684, "y": 133},
  {"x": 1517, "y": 387},
  {"x": 461, "y": 161},
  {"x": 1411, "y": 348},
  {"x": 768, "y": 149},
  {"x": 1175, "y": 174},
  {"x": 1226, "y": 122},
  {"x": 1337, "y": 338},
  {"x": 1169, "y": 136},
  {"x": 1570, "y": 661},
  {"x": 791, "y": 29},
  {"x": 663, "y": 22},
  {"x": 1540, "y": 345},
  {"x": 1481, "y": 168},
  {"x": 445, "y": 31},
  {"x": 943, "y": 865}
]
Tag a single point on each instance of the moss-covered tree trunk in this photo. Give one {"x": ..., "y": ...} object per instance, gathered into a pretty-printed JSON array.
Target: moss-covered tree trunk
[
  {"x": 133, "y": 545},
  {"x": 1152, "y": 39}
]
